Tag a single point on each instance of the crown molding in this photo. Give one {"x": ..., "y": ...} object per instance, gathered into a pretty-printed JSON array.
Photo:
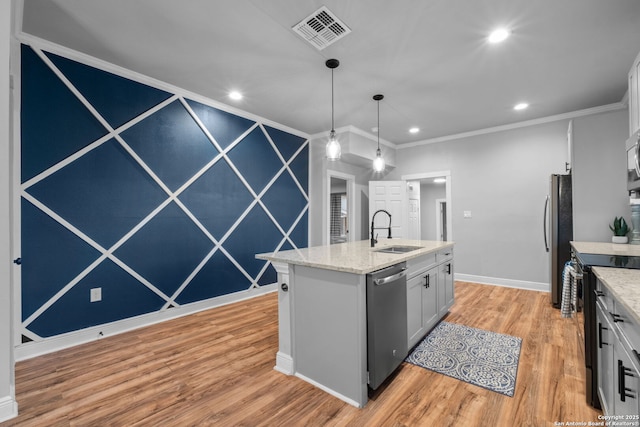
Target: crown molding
[{"x": 564, "y": 116}]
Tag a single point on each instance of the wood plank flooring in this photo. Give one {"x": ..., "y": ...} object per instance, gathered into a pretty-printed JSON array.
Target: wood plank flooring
[{"x": 216, "y": 368}]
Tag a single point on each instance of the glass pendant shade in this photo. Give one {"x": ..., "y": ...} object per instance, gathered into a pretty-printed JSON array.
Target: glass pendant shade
[
  {"x": 333, "y": 147},
  {"x": 378, "y": 162}
]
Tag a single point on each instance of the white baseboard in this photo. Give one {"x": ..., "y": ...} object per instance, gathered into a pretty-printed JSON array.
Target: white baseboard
[
  {"x": 508, "y": 283},
  {"x": 330, "y": 391},
  {"x": 71, "y": 339},
  {"x": 284, "y": 363},
  {"x": 8, "y": 408}
]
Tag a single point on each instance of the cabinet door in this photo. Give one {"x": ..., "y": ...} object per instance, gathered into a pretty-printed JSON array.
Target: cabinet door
[
  {"x": 445, "y": 287},
  {"x": 430, "y": 299},
  {"x": 415, "y": 328},
  {"x": 422, "y": 305},
  {"x": 627, "y": 383},
  {"x": 606, "y": 340}
]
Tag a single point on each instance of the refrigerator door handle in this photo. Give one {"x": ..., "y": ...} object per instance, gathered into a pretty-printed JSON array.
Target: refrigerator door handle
[{"x": 544, "y": 223}]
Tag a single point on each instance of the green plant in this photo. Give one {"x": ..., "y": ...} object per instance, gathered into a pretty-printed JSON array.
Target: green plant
[{"x": 619, "y": 227}]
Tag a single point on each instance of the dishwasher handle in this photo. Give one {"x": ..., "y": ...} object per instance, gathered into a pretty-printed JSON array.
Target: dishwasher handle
[{"x": 392, "y": 278}]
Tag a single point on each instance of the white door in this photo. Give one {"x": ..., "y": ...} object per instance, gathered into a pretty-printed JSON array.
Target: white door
[
  {"x": 414, "y": 219},
  {"x": 390, "y": 196}
]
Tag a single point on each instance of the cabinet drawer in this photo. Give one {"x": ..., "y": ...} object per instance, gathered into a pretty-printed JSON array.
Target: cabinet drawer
[
  {"x": 603, "y": 296},
  {"x": 418, "y": 265},
  {"x": 444, "y": 255},
  {"x": 627, "y": 325}
]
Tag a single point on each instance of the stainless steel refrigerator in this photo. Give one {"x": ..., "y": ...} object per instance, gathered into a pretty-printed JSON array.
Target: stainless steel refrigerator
[{"x": 558, "y": 231}]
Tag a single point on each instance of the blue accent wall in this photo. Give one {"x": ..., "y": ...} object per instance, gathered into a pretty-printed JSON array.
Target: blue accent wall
[{"x": 157, "y": 199}]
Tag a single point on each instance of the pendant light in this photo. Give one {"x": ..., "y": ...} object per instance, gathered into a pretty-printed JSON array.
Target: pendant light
[
  {"x": 378, "y": 162},
  {"x": 333, "y": 146}
]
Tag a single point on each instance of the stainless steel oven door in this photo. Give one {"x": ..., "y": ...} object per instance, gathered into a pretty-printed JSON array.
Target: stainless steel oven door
[{"x": 633, "y": 162}]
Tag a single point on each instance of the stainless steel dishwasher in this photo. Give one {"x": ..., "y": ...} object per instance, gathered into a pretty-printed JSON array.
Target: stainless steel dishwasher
[{"x": 386, "y": 322}]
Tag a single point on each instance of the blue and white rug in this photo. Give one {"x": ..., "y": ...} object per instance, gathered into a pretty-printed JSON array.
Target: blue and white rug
[{"x": 483, "y": 358}]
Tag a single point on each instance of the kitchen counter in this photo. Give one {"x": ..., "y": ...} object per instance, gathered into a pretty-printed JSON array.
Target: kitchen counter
[
  {"x": 606, "y": 248},
  {"x": 624, "y": 284},
  {"x": 355, "y": 257}
]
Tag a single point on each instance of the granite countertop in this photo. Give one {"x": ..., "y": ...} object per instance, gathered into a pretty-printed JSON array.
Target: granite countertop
[
  {"x": 624, "y": 284},
  {"x": 606, "y": 248},
  {"x": 354, "y": 257}
]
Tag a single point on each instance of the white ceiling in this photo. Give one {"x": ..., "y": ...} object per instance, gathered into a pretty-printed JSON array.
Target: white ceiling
[{"x": 428, "y": 57}]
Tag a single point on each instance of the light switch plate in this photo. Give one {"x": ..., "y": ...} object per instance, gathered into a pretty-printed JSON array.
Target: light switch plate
[
  {"x": 96, "y": 295},
  {"x": 467, "y": 214}
]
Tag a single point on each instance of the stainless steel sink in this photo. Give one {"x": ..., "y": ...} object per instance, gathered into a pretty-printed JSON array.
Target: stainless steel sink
[{"x": 398, "y": 249}]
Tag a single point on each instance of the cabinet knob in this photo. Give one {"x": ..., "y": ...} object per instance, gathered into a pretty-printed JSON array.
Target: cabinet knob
[{"x": 284, "y": 287}]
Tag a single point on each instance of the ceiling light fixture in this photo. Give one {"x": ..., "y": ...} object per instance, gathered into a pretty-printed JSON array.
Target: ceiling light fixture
[
  {"x": 235, "y": 95},
  {"x": 378, "y": 162},
  {"x": 414, "y": 130},
  {"x": 333, "y": 146},
  {"x": 440, "y": 180},
  {"x": 521, "y": 106},
  {"x": 499, "y": 35}
]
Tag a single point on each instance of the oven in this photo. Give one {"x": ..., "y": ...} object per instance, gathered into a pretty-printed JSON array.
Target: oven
[
  {"x": 633, "y": 162},
  {"x": 584, "y": 263}
]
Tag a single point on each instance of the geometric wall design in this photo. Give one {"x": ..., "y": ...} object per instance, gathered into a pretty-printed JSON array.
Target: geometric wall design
[{"x": 155, "y": 198}]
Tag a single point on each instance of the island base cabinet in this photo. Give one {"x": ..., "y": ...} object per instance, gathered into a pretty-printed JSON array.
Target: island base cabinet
[
  {"x": 445, "y": 287},
  {"x": 429, "y": 294},
  {"x": 422, "y": 305}
]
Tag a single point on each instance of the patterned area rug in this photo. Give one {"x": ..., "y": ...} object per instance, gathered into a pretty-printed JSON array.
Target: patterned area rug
[{"x": 479, "y": 357}]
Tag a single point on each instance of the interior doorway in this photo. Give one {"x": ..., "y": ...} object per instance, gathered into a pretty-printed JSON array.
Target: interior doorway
[
  {"x": 339, "y": 201},
  {"x": 339, "y": 211},
  {"x": 434, "y": 190},
  {"x": 441, "y": 219}
]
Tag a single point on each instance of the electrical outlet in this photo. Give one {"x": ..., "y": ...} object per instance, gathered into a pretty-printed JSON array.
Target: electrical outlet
[
  {"x": 467, "y": 214},
  {"x": 96, "y": 295}
]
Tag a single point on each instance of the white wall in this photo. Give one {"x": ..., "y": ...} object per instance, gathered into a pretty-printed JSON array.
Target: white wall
[
  {"x": 8, "y": 405},
  {"x": 599, "y": 175},
  {"x": 503, "y": 179},
  {"x": 317, "y": 186}
]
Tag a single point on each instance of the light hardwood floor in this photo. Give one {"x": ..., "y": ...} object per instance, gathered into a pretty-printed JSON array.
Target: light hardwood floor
[{"x": 216, "y": 368}]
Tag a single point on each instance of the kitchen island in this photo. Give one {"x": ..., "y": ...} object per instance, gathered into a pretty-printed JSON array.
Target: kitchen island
[{"x": 322, "y": 307}]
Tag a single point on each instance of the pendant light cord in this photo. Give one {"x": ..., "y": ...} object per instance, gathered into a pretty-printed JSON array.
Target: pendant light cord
[
  {"x": 378, "y": 125},
  {"x": 332, "y": 127}
]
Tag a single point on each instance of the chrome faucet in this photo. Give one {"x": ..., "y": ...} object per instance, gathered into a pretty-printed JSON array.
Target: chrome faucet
[{"x": 374, "y": 240}]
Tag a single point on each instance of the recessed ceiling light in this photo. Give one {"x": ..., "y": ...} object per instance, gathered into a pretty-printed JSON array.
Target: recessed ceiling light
[
  {"x": 235, "y": 95},
  {"x": 499, "y": 35},
  {"x": 521, "y": 106},
  {"x": 414, "y": 130}
]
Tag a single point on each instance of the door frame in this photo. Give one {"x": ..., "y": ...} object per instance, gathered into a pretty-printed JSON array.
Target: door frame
[
  {"x": 439, "y": 203},
  {"x": 436, "y": 174},
  {"x": 326, "y": 204}
]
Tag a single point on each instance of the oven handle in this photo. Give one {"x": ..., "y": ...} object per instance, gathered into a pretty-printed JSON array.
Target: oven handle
[{"x": 546, "y": 217}]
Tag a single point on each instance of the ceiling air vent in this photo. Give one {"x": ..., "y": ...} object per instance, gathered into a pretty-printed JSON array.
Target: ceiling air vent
[{"x": 321, "y": 28}]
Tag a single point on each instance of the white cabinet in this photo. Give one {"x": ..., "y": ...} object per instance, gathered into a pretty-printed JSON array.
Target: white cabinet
[
  {"x": 429, "y": 293},
  {"x": 634, "y": 96},
  {"x": 422, "y": 304},
  {"x": 618, "y": 359},
  {"x": 606, "y": 339}
]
